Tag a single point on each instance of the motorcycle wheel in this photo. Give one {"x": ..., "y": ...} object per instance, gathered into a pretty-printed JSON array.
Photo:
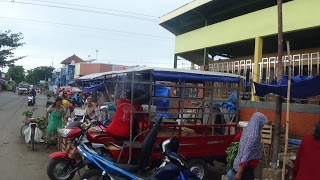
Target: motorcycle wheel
[
  {"x": 94, "y": 174},
  {"x": 33, "y": 143},
  {"x": 22, "y": 129},
  {"x": 55, "y": 170},
  {"x": 199, "y": 167}
]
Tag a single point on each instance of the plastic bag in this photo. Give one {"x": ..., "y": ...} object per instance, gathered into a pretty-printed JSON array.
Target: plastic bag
[
  {"x": 27, "y": 134},
  {"x": 37, "y": 135}
]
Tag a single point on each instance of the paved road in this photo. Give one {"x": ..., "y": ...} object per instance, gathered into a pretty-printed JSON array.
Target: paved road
[{"x": 17, "y": 162}]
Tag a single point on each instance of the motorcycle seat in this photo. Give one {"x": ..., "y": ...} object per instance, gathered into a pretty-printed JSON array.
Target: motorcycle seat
[{"x": 127, "y": 167}]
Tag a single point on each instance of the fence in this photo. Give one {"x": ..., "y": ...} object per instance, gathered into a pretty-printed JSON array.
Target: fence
[{"x": 306, "y": 64}]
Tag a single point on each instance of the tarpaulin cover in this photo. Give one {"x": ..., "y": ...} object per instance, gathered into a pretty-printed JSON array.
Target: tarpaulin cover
[
  {"x": 301, "y": 87},
  {"x": 162, "y": 103},
  {"x": 172, "y": 76},
  {"x": 94, "y": 87}
]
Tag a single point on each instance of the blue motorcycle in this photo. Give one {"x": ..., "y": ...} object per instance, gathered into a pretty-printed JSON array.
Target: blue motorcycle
[{"x": 173, "y": 165}]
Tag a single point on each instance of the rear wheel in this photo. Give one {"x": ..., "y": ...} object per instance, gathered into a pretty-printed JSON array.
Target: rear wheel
[
  {"x": 22, "y": 129},
  {"x": 55, "y": 170},
  {"x": 199, "y": 167},
  {"x": 94, "y": 174}
]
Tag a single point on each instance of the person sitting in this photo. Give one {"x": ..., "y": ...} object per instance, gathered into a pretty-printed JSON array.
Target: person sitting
[{"x": 90, "y": 108}]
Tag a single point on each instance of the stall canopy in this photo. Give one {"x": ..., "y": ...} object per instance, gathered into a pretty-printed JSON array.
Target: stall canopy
[
  {"x": 99, "y": 87},
  {"x": 301, "y": 87}
]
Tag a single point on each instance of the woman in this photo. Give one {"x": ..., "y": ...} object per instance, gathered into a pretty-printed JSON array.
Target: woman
[
  {"x": 55, "y": 118},
  {"x": 89, "y": 110},
  {"x": 306, "y": 165},
  {"x": 250, "y": 148}
]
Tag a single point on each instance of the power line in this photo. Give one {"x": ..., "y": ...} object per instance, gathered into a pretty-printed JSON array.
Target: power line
[
  {"x": 126, "y": 12},
  {"x": 90, "y": 11},
  {"x": 87, "y": 27}
]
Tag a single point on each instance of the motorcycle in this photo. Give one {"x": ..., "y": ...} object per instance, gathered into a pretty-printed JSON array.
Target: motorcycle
[
  {"x": 31, "y": 100},
  {"x": 63, "y": 165},
  {"x": 173, "y": 166}
]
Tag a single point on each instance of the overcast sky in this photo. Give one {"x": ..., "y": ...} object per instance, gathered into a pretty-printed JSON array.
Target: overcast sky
[{"x": 123, "y": 32}]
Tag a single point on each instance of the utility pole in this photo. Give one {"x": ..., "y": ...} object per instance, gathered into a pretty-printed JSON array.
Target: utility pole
[
  {"x": 97, "y": 56},
  {"x": 279, "y": 71}
]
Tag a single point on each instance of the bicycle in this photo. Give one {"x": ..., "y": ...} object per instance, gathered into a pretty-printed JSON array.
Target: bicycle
[{"x": 25, "y": 121}]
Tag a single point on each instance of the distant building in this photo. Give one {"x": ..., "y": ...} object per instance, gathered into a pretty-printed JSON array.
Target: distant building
[
  {"x": 67, "y": 72},
  {"x": 82, "y": 69},
  {"x": 74, "y": 67}
]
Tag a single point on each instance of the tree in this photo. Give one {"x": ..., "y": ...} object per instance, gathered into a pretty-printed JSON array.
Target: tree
[
  {"x": 39, "y": 73},
  {"x": 9, "y": 42},
  {"x": 16, "y": 73}
]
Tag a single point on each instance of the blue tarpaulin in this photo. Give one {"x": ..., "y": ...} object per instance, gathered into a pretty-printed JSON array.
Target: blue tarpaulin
[
  {"x": 162, "y": 104},
  {"x": 301, "y": 87},
  {"x": 172, "y": 76},
  {"x": 230, "y": 106},
  {"x": 94, "y": 87}
]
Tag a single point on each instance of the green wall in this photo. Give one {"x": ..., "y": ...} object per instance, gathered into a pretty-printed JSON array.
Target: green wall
[{"x": 297, "y": 15}]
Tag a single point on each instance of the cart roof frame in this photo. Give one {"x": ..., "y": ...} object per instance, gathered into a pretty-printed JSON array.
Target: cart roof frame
[{"x": 169, "y": 70}]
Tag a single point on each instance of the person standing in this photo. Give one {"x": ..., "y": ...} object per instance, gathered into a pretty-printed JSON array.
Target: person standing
[
  {"x": 55, "y": 118},
  {"x": 306, "y": 165},
  {"x": 250, "y": 148}
]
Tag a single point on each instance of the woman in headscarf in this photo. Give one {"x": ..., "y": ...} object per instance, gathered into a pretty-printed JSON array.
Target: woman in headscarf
[
  {"x": 250, "y": 148},
  {"x": 89, "y": 109}
]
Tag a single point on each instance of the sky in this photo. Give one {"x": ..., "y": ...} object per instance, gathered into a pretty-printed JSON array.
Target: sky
[{"x": 114, "y": 31}]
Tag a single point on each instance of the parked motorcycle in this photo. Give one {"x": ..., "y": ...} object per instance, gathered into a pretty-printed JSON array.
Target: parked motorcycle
[
  {"x": 63, "y": 165},
  {"x": 173, "y": 166},
  {"x": 49, "y": 103}
]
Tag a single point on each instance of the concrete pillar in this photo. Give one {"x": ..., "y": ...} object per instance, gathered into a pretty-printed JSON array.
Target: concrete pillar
[
  {"x": 175, "y": 62},
  {"x": 192, "y": 65},
  {"x": 257, "y": 59},
  {"x": 205, "y": 57}
]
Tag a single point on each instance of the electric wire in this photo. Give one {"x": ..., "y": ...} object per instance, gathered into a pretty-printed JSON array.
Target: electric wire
[
  {"x": 126, "y": 12},
  {"x": 87, "y": 27},
  {"x": 83, "y": 10}
]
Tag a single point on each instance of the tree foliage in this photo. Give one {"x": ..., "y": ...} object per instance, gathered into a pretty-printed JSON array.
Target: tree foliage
[
  {"x": 39, "y": 73},
  {"x": 8, "y": 42},
  {"x": 16, "y": 73}
]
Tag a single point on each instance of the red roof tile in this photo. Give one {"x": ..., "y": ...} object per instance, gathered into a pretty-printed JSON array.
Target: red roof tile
[{"x": 74, "y": 58}]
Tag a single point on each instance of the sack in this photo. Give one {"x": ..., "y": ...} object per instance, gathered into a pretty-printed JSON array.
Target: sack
[{"x": 120, "y": 125}]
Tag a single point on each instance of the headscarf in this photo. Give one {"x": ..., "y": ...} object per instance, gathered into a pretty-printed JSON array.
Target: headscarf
[
  {"x": 90, "y": 108},
  {"x": 250, "y": 146}
]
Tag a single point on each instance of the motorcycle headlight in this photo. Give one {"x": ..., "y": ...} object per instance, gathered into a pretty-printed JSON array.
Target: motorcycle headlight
[{"x": 64, "y": 132}]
